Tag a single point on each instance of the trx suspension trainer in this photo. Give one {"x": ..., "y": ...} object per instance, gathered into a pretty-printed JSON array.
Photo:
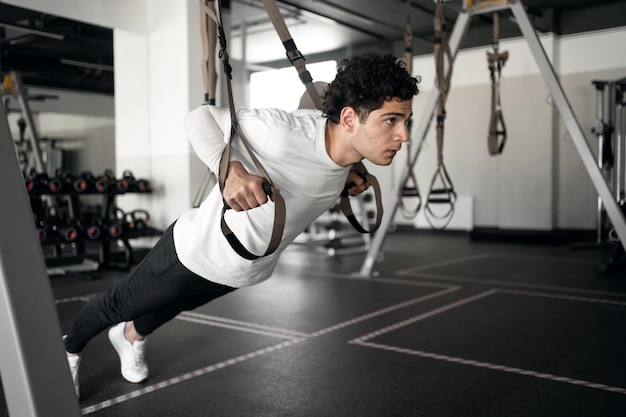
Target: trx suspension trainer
[
  {"x": 496, "y": 60},
  {"x": 208, "y": 37},
  {"x": 444, "y": 194},
  {"x": 409, "y": 186},
  {"x": 297, "y": 60},
  {"x": 279, "y": 203}
]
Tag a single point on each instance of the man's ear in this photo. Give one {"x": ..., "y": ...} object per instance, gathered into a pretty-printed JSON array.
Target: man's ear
[{"x": 348, "y": 118}]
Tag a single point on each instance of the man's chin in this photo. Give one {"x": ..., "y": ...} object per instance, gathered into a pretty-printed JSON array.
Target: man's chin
[{"x": 383, "y": 162}]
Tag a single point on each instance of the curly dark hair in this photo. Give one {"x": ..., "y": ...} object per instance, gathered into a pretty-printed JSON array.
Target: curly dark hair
[{"x": 364, "y": 82}]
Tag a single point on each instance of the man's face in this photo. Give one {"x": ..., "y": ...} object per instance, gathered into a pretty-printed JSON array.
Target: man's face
[{"x": 380, "y": 137}]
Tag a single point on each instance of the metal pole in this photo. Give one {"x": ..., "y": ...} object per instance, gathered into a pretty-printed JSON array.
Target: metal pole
[
  {"x": 30, "y": 123},
  {"x": 569, "y": 119},
  {"x": 619, "y": 143},
  {"x": 35, "y": 374},
  {"x": 600, "y": 131},
  {"x": 458, "y": 33}
]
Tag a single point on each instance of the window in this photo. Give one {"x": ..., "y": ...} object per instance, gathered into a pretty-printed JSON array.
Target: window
[{"x": 282, "y": 88}]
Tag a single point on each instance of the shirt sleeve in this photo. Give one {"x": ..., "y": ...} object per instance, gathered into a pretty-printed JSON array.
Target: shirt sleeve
[{"x": 205, "y": 127}]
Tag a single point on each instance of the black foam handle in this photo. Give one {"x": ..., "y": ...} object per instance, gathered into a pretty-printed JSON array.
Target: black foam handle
[
  {"x": 351, "y": 184},
  {"x": 266, "y": 187}
]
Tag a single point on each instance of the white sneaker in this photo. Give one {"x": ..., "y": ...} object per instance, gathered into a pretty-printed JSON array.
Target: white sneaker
[
  {"x": 74, "y": 363},
  {"x": 132, "y": 355}
]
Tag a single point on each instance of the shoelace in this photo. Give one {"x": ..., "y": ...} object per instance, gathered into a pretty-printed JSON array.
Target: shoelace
[{"x": 138, "y": 354}]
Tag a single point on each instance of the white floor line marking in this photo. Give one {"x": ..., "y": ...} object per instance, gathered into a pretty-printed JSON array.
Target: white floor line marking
[
  {"x": 378, "y": 279},
  {"x": 411, "y": 282},
  {"x": 243, "y": 323},
  {"x": 528, "y": 257},
  {"x": 84, "y": 298},
  {"x": 494, "y": 367},
  {"x": 445, "y": 263},
  {"x": 487, "y": 255},
  {"x": 363, "y": 340},
  {"x": 293, "y": 337},
  {"x": 467, "y": 280},
  {"x": 383, "y": 311},
  {"x": 472, "y": 299},
  {"x": 423, "y": 316},
  {"x": 172, "y": 381},
  {"x": 239, "y": 328},
  {"x": 563, "y": 297}
]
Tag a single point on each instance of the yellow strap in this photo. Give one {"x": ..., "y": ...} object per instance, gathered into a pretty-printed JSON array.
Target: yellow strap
[{"x": 8, "y": 85}]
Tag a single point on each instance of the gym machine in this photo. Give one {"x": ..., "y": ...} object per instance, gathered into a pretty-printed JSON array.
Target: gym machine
[
  {"x": 609, "y": 129},
  {"x": 333, "y": 235},
  {"x": 612, "y": 208}
]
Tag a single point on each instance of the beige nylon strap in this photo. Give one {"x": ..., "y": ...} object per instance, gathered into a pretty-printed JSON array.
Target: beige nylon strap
[
  {"x": 444, "y": 193},
  {"x": 279, "y": 202},
  {"x": 293, "y": 54},
  {"x": 497, "y": 136},
  {"x": 409, "y": 187},
  {"x": 298, "y": 61},
  {"x": 208, "y": 37},
  {"x": 208, "y": 31}
]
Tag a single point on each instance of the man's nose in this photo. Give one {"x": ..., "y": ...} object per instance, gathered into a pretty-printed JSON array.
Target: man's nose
[{"x": 403, "y": 134}]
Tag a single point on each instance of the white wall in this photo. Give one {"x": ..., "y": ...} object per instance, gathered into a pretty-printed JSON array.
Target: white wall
[
  {"x": 157, "y": 81},
  {"x": 539, "y": 181}
]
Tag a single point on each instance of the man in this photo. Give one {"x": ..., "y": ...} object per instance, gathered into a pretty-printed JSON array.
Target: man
[{"x": 308, "y": 155}]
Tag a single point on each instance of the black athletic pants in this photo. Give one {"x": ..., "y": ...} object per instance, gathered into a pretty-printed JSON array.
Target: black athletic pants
[{"x": 157, "y": 290}]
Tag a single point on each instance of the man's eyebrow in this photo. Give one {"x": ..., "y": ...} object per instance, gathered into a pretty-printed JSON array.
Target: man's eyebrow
[{"x": 398, "y": 114}]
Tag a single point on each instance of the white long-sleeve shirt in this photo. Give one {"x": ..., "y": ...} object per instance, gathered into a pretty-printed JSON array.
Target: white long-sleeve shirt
[{"x": 291, "y": 148}]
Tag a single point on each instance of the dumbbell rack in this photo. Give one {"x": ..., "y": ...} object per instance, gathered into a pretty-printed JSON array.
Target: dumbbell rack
[
  {"x": 333, "y": 235},
  {"x": 76, "y": 228}
]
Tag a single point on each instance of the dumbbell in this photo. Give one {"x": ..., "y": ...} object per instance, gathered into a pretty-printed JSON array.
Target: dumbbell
[
  {"x": 84, "y": 183},
  {"x": 124, "y": 184},
  {"x": 92, "y": 225},
  {"x": 45, "y": 231},
  {"x": 69, "y": 231},
  {"x": 117, "y": 225},
  {"x": 128, "y": 182},
  {"x": 105, "y": 182},
  {"x": 139, "y": 220},
  {"x": 47, "y": 226},
  {"x": 62, "y": 181},
  {"x": 94, "y": 230},
  {"x": 36, "y": 182},
  {"x": 142, "y": 185}
]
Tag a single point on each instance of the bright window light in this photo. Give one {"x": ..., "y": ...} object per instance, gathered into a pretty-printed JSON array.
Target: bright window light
[{"x": 282, "y": 88}]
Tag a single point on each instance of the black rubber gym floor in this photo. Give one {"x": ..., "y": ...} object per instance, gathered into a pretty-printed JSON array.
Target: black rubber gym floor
[{"x": 449, "y": 327}]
